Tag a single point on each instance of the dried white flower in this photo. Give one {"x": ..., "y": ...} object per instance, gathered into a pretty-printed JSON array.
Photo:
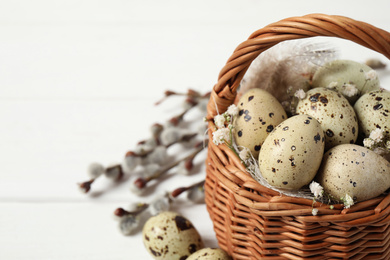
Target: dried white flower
[
  {"x": 314, "y": 212},
  {"x": 333, "y": 85},
  {"x": 316, "y": 189},
  {"x": 300, "y": 93},
  {"x": 228, "y": 118},
  {"x": 350, "y": 90},
  {"x": 219, "y": 121},
  {"x": 232, "y": 110},
  {"x": 221, "y": 135},
  {"x": 377, "y": 135},
  {"x": 244, "y": 154},
  {"x": 371, "y": 75},
  {"x": 368, "y": 143},
  {"x": 348, "y": 201},
  {"x": 388, "y": 145}
]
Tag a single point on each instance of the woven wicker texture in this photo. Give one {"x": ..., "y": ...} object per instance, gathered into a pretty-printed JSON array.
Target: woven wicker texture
[{"x": 254, "y": 222}]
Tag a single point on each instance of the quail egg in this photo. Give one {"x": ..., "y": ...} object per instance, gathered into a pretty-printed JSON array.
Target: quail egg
[
  {"x": 373, "y": 111},
  {"x": 336, "y": 116},
  {"x": 170, "y": 236},
  {"x": 209, "y": 254},
  {"x": 259, "y": 113},
  {"x": 354, "y": 170},
  {"x": 292, "y": 153}
]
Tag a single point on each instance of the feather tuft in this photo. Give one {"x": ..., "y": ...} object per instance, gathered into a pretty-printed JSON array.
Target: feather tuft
[{"x": 286, "y": 67}]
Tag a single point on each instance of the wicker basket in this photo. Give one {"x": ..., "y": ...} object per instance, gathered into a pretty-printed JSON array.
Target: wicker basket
[{"x": 254, "y": 222}]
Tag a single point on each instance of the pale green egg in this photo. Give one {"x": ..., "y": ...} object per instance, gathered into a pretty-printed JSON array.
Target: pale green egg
[{"x": 344, "y": 75}]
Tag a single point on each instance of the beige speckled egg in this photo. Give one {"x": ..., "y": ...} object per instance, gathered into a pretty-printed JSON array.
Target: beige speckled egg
[
  {"x": 292, "y": 153},
  {"x": 170, "y": 236},
  {"x": 373, "y": 111},
  {"x": 341, "y": 74},
  {"x": 259, "y": 113},
  {"x": 209, "y": 254},
  {"x": 336, "y": 116},
  {"x": 354, "y": 170}
]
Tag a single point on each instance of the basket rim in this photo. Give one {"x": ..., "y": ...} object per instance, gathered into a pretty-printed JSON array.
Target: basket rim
[{"x": 225, "y": 90}]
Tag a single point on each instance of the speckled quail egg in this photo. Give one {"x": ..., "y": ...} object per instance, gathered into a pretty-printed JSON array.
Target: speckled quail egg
[
  {"x": 170, "y": 236},
  {"x": 209, "y": 254},
  {"x": 336, "y": 116},
  {"x": 354, "y": 170},
  {"x": 292, "y": 153},
  {"x": 259, "y": 113},
  {"x": 373, "y": 111},
  {"x": 350, "y": 78}
]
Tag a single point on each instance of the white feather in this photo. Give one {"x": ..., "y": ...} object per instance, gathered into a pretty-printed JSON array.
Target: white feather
[{"x": 286, "y": 67}]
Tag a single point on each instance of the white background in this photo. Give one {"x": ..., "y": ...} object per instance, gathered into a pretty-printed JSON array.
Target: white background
[{"x": 78, "y": 80}]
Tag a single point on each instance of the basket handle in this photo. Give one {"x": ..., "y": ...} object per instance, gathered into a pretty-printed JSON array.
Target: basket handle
[{"x": 224, "y": 92}]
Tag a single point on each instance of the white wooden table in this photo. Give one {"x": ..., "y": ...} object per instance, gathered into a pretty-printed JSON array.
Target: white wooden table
[{"x": 78, "y": 80}]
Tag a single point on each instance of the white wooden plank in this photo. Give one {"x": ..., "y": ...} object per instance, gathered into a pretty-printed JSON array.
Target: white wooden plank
[
  {"x": 77, "y": 231},
  {"x": 76, "y": 75},
  {"x": 48, "y": 144}
]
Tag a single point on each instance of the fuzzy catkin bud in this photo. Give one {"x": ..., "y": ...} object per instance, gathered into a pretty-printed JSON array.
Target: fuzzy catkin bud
[
  {"x": 182, "y": 169},
  {"x": 156, "y": 130},
  {"x": 128, "y": 224},
  {"x": 150, "y": 170},
  {"x": 196, "y": 194},
  {"x": 202, "y": 105},
  {"x": 114, "y": 172},
  {"x": 119, "y": 212},
  {"x": 158, "y": 156},
  {"x": 95, "y": 170},
  {"x": 131, "y": 160},
  {"x": 85, "y": 187},
  {"x": 159, "y": 205},
  {"x": 171, "y": 135},
  {"x": 138, "y": 186}
]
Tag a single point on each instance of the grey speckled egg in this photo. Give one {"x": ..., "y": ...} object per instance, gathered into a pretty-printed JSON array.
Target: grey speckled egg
[
  {"x": 170, "y": 236},
  {"x": 292, "y": 153},
  {"x": 209, "y": 254},
  {"x": 373, "y": 111},
  {"x": 336, "y": 116},
  {"x": 354, "y": 170},
  {"x": 259, "y": 113},
  {"x": 343, "y": 72}
]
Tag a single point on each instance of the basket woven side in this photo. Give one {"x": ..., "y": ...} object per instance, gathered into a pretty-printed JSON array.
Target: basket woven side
[{"x": 254, "y": 222}]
